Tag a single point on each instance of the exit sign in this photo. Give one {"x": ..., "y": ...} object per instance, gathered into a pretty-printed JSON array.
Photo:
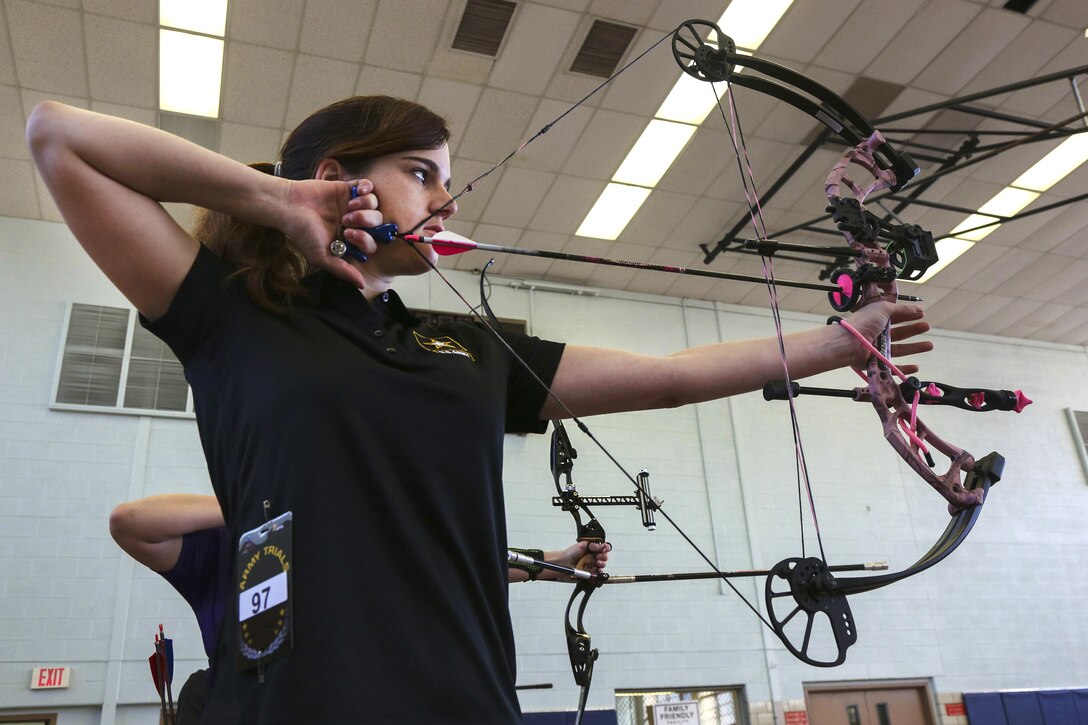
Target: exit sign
[{"x": 49, "y": 678}]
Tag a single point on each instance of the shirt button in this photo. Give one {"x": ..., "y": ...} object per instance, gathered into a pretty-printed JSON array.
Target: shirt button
[
  {"x": 391, "y": 350},
  {"x": 385, "y": 297},
  {"x": 378, "y": 333}
]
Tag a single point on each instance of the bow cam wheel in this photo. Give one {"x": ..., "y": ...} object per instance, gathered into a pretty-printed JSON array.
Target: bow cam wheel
[
  {"x": 825, "y": 629},
  {"x": 701, "y": 50}
]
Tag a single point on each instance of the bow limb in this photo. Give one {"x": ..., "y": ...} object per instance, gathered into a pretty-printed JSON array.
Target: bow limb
[{"x": 580, "y": 648}]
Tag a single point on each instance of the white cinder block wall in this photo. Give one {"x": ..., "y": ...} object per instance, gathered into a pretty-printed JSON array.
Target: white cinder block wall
[{"x": 1005, "y": 611}]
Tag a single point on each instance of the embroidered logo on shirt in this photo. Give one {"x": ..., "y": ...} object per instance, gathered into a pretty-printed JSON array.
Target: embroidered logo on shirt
[{"x": 442, "y": 345}]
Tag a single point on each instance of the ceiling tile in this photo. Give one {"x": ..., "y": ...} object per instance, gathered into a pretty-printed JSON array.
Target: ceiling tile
[
  {"x": 604, "y": 144},
  {"x": 48, "y": 46},
  {"x": 1068, "y": 224},
  {"x": 472, "y": 204},
  {"x": 634, "y": 12},
  {"x": 1061, "y": 328},
  {"x": 804, "y": 30},
  {"x": 249, "y": 144},
  {"x": 498, "y": 125},
  {"x": 969, "y": 53},
  {"x": 643, "y": 86},
  {"x": 1037, "y": 274},
  {"x": 337, "y": 28},
  {"x": 515, "y": 202},
  {"x": 924, "y": 36},
  {"x": 669, "y": 15},
  {"x": 1025, "y": 54},
  {"x": 868, "y": 30},
  {"x": 387, "y": 47},
  {"x": 550, "y": 151},
  {"x": 137, "y": 11},
  {"x": 1068, "y": 13},
  {"x": 7, "y": 58},
  {"x": 961, "y": 271},
  {"x": 566, "y": 204},
  {"x": 122, "y": 61},
  {"x": 942, "y": 313},
  {"x": 12, "y": 125},
  {"x": 1002, "y": 320},
  {"x": 146, "y": 116},
  {"x": 529, "y": 57},
  {"x": 453, "y": 100},
  {"x": 272, "y": 23},
  {"x": 1037, "y": 320},
  {"x": 611, "y": 277},
  {"x": 660, "y": 220},
  {"x": 256, "y": 84},
  {"x": 317, "y": 82},
  {"x": 374, "y": 81},
  {"x": 700, "y": 163},
  {"x": 993, "y": 276}
]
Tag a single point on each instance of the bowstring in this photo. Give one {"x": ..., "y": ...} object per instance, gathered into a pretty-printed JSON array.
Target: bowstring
[
  {"x": 498, "y": 336},
  {"x": 759, "y": 225}
]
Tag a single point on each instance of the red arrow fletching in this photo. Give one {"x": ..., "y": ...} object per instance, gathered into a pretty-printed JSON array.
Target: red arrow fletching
[{"x": 446, "y": 244}]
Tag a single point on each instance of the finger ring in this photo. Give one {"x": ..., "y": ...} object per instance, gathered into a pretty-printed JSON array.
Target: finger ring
[{"x": 338, "y": 248}]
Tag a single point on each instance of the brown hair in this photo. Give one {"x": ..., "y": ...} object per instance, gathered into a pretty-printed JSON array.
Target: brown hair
[{"x": 353, "y": 131}]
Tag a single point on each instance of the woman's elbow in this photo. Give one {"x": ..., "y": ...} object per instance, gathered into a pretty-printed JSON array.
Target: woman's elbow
[{"x": 43, "y": 127}]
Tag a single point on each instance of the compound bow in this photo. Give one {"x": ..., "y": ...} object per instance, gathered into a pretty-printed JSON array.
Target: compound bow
[{"x": 883, "y": 252}]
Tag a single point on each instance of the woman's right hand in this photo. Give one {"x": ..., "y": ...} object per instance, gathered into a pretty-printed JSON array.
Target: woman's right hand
[{"x": 317, "y": 212}]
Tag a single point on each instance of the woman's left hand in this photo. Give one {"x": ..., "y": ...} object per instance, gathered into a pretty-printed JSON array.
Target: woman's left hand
[{"x": 906, "y": 322}]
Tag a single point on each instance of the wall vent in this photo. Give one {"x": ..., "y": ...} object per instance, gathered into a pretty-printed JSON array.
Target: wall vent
[
  {"x": 483, "y": 26},
  {"x": 1019, "y": 6},
  {"x": 603, "y": 48}
]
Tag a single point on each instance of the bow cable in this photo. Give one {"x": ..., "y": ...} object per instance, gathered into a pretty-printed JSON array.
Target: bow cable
[{"x": 759, "y": 226}]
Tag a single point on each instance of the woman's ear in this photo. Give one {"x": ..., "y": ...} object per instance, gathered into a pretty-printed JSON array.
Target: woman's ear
[{"x": 330, "y": 170}]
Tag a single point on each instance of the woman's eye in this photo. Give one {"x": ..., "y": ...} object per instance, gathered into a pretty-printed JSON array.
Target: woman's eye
[{"x": 421, "y": 175}]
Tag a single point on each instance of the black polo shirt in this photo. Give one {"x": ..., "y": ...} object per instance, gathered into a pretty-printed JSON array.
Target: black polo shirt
[{"x": 384, "y": 438}]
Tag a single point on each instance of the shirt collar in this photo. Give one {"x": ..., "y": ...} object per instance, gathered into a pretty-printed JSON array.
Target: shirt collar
[{"x": 327, "y": 289}]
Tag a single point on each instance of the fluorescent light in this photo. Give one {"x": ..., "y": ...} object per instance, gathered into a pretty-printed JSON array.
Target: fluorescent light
[
  {"x": 190, "y": 73},
  {"x": 749, "y": 22},
  {"x": 654, "y": 152},
  {"x": 948, "y": 250},
  {"x": 1008, "y": 201},
  {"x": 971, "y": 222},
  {"x": 200, "y": 16},
  {"x": 690, "y": 100},
  {"x": 613, "y": 210},
  {"x": 1056, "y": 165}
]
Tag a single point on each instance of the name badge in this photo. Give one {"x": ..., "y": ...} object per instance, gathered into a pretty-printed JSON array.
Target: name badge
[{"x": 263, "y": 586}]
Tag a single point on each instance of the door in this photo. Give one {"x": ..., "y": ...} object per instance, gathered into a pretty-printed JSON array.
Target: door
[{"x": 907, "y": 704}]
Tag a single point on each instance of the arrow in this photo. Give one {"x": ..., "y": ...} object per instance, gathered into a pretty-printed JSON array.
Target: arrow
[{"x": 450, "y": 243}]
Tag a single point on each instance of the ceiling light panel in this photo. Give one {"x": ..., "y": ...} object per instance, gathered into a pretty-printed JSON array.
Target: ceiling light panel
[
  {"x": 749, "y": 22},
  {"x": 190, "y": 73},
  {"x": 1056, "y": 165},
  {"x": 613, "y": 210},
  {"x": 690, "y": 100},
  {"x": 1008, "y": 202},
  {"x": 654, "y": 152},
  {"x": 966, "y": 228},
  {"x": 199, "y": 16}
]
